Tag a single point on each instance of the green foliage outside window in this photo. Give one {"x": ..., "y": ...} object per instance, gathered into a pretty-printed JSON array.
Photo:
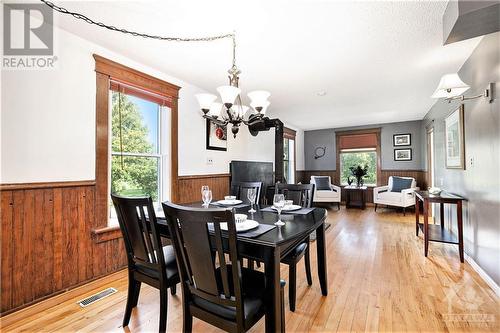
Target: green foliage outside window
[
  {"x": 137, "y": 175},
  {"x": 353, "y": 159}
]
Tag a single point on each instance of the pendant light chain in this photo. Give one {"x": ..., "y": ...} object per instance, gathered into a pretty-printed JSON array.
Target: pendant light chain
[{"x": 139, "y": 34}]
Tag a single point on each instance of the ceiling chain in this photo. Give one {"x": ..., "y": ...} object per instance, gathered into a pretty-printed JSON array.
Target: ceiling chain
[{"x": 144, "y": 35}]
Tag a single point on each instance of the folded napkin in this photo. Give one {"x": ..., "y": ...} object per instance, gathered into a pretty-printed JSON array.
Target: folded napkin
[
  {"x": 241, "y": 205},
  {"x": 260, "y": 230},
  {"x": 302, "y": 211}
]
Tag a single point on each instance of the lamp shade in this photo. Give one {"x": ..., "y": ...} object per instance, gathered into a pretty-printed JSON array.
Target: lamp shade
[
  {"x": 242, "y": 110},
  {"x": 228, "y": 94},
  {"x": 205, "y": 100},
  {"x": 215, "y": 109},
  {"x": 450, "y": 86},
  {"x": 264, "y": 106},
  {"x": 258, "y": 97}
]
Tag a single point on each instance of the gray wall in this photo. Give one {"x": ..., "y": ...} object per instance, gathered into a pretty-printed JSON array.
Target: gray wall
[
  {"x": 326, "y": 138},
  {"x": 480, "y": 181}
]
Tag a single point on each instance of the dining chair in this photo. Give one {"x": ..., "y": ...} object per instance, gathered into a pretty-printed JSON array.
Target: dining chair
[
  {"x": 215, "y": 287},
  {"x": 240, "y": 190},
  {"x": 302, "y": 195},
  {"x": 148, "y": 261}
]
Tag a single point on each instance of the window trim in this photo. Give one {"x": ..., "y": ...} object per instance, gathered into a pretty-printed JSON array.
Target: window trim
[
  {"x": 375, "y": 131},
  {"x": 290, "y": 134},
  {"x": 106, "y": 71}
]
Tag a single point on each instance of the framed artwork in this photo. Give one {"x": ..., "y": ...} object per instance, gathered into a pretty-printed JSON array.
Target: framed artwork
[
  {"x": 216, "y": 136},
  {"x": 402, "y": 154},
  {"x": 401, "y": 140},
  {"x": 454, "y": 139}
]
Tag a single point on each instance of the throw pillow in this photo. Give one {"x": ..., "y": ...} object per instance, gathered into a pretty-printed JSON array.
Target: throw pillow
[
  {"x": 322, "y": 183},
  {"x": 399, "y": 184}
]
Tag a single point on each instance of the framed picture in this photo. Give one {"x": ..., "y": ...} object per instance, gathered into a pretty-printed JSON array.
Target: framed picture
[
  {"x": 401, "y": 139},
  {"x": 454, "y": 140},
  {"x": 216, "y": 136},
  {"x": 402, "y": 154}
]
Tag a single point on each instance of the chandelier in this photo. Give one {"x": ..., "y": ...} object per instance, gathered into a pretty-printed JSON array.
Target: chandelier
[{"x": 231, "y": 110}]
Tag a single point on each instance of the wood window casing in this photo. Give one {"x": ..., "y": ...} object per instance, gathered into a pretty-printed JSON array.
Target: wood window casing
[
  {"x": 290, "y": 134},
  {"x": 361, "y": 133},
  {"x": 108, "y": 71}
]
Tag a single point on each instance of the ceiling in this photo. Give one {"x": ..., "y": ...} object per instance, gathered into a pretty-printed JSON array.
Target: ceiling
[{"x": 377, "y": 61}]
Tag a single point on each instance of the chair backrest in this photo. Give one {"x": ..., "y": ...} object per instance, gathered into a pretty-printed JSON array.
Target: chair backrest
[
  {"x": 198, "y": 241},
  {"x": 138, "y": 224},
  {"x": 413, "y": 182},
  {"x": 313, "y": 179},
  {"x": 300, "y": 194},
  {"x": 240, "y": 190}
]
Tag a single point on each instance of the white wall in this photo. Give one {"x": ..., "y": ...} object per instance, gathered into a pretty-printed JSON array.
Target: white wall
[{"x": 48, "y": 121}]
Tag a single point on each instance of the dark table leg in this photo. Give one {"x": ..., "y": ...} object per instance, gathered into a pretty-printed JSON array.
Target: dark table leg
[
  {"x": 321, "y": 252},
  {"x": 441, "y": 214},
  {"x": 417, "y": 214},
  {"x": 272, "y": 271},
  {"x": 460, "y": 231},
  {"x": 426, "y": 227}
]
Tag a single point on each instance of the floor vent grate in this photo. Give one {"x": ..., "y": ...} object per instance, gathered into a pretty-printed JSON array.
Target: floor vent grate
[{"x": 94, "y": 298}]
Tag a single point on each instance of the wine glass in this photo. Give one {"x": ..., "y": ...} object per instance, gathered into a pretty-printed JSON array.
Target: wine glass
[
  {"x": 206, "y": 197},
  {"x": 252, "y": 194},
  {"x": 279, "y": 203},
  {"x": 204, "y": 188}
]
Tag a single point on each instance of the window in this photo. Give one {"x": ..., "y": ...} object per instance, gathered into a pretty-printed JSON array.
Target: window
[
  {"x": 289, "y": 160},
  {"x": 137, "y": 149},
  {"x": 360, "y": 156}
]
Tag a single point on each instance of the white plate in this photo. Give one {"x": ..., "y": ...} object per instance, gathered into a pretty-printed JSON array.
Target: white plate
[
  {"x": 229, "y": 202},
  {"x": 288, "y": 208},
  {"x": 244, "y": 226}
]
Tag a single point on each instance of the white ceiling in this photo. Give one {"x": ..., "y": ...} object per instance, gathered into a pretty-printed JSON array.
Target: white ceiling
[{"x": 377, "y": 61}]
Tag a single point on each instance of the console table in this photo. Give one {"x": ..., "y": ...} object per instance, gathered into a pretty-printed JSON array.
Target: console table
[
  {"x": 355, "y": 196},
  {"x": 437, "y": 233}
]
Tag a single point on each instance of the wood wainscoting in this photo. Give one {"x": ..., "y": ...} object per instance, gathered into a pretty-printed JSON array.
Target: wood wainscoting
[
  {"x": 47, "y": 242},
  {"x": 190, "y": 186},
  {"x": 304, "y": 176}
]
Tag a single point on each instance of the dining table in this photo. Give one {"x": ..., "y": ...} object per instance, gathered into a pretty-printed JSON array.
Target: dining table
[{"x": 273, "y": 245}]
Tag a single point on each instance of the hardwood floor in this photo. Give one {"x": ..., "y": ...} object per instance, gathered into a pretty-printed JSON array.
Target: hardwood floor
[{"x": 379, "y": 280}]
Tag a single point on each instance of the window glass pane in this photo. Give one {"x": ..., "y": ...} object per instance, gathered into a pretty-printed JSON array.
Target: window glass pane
[
  {"x": 286, "y": 156},
  {"x": 286, "y": 170},
  {"x": 137, "y": 176},
  {"x": 139, "y": 124},
  {"x": 353, "y": 159}
]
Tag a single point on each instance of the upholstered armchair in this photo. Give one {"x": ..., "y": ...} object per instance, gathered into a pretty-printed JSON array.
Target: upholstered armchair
[
  {"x": 399, "y": 192},
  {"x": 325, "y": 191}
]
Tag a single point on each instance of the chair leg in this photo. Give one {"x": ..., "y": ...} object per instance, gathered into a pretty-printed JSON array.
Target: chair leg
[
  {"x": 404, "y": 211},
  {"x": 187, "y": 318},
  {"x": 282, "y": 296},
  {"x": 307, "y": 263},
  {"x": 292, "y": 281},
  {"x": 163, "y": 309},
  {"x": 338, "y": 205},
  {"x": 132, "y": 296},
  {"x": 173, "y": 289},
  {"x": 375, "y": 207}
]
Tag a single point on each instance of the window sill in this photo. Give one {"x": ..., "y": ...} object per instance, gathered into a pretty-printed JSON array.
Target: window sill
[{"x": 106, "y": 234}]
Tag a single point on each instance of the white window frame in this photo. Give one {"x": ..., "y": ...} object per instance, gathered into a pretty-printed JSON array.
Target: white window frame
[{"x": 357, "y": 150}]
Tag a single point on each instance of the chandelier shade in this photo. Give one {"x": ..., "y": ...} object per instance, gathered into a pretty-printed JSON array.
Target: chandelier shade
[
  {"x": 228, "y": 94},
  {"x": 450, "y": 86},
  {"x": 205, "y": 100},
  {"x": 258, "y": 97},
  {"x": 215, "y": 109}
]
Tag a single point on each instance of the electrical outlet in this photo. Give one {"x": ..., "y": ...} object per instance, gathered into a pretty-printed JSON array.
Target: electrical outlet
[
  {"x": 471, "y": 163},
  {"x": 210, "y": 161}
]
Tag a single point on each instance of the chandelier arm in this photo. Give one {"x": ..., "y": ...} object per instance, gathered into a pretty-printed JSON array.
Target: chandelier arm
[{"x": 216, "y": 121}]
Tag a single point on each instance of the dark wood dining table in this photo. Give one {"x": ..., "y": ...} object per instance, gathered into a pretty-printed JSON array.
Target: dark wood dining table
[{"x": 270, "y": 247}]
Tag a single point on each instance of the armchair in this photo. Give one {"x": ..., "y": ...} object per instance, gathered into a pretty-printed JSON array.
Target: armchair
[
  {"x": 322, "y": 194},
  {"x": 390, "y": 196}
]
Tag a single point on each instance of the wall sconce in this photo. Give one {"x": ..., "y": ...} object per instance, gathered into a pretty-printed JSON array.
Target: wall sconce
[{"x": 451, "y": 87}]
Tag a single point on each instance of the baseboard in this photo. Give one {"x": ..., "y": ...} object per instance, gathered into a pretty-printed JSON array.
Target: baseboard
[{"x": 489, "y": 281}]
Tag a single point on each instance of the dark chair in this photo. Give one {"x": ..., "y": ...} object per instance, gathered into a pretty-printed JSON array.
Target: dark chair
[
  {"x": 240, "y": 190},
  {"x": 148, "y": 260},
  {"x": 215, "y": 287},
  {"x": 302, "y": 195}
]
